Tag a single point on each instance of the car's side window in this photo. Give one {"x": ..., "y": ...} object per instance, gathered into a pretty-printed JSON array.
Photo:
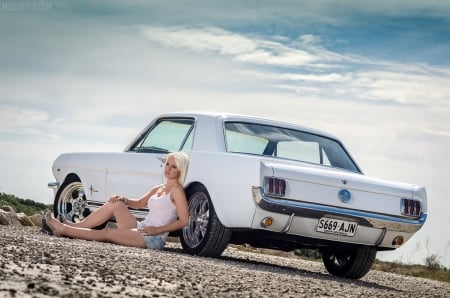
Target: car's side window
[
  {"x": 167, "y": 135},
  {"x": 305, "y": 151},
  {"x": 245, "y": 143}
]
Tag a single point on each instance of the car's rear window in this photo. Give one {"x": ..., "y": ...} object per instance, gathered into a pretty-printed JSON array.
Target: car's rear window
[{"x": 265, "y": 140}]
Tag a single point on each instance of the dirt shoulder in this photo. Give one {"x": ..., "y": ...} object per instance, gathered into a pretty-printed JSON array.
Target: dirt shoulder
[{"x": 36, "y": 265}]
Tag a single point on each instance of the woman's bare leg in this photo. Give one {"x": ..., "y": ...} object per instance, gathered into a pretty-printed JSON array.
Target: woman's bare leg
[
  {"x": 123, "y": 216},
  {"x": 124, "y": 236}
]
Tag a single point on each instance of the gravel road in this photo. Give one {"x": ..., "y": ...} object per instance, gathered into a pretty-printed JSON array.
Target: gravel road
[{"x": 36, "y": 265}]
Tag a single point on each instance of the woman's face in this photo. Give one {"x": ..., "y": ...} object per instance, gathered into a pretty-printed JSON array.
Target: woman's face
[{"x": 171, "y": 170}]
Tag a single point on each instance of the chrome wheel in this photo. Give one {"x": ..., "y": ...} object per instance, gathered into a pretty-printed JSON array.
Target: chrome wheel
[
  {"x": 71, "y": 202},
  {"x": 195, "y": 231},
  {"x": 204, "y": 235}
]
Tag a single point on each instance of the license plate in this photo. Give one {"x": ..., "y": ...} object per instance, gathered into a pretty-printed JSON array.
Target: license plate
[{"x": 337, "y": 227}]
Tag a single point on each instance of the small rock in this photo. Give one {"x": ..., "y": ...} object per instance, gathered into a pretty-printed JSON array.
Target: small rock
[
  {"x": 8, "y": 209},
  {"x": 25, "y": 220},
  {"x": 36, "y": 219},
  {"x": 9, "y": 218}
]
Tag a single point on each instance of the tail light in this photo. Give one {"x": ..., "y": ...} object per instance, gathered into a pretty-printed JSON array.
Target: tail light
[
  {"x": 410, "y": 207},
  {"x": 274, "y": 186}
]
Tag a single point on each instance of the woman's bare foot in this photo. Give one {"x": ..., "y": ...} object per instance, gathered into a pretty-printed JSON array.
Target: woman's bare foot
[
  {"x": 44, "y": 227},
  {"x": 54, "y": 225}
]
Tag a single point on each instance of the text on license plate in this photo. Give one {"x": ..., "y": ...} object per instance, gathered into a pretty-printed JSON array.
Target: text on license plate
[{"x": 337, "y": 226}]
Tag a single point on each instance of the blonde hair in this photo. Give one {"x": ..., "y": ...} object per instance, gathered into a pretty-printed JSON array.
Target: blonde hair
[{"x": 182, "y": 162}]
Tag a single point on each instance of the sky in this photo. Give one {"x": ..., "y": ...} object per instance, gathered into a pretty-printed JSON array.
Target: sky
[{"x": 88, "y": 76}]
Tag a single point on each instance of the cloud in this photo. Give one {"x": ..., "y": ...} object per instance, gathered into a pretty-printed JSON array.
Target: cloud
[
  {"x": 336, "y": 75},
  {"x": 13, "y": 118},
  {"x": 322, "y": 78},
  {"x": 437, "y": 132},
  {"x": 276, "y": 51},
  {"x": 239, "y": 47},
  {"x": 427, "y": 89}
]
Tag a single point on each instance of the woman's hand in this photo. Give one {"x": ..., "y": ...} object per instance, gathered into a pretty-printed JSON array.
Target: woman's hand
[
  {"x": 149, "y": 231},
  {"x": 117, "y": 198}
]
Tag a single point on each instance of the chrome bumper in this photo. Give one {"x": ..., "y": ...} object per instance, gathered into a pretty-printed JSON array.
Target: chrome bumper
[
  {"x": 53, "y": 185},
  {"x": 315, "y": 211}
]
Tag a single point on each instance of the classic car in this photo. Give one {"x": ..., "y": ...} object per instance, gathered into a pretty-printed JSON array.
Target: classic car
[{"x": 253, "y": 181}]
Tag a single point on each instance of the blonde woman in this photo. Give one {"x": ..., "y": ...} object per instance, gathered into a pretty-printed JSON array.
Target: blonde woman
[{"x": 168, "y": 211}]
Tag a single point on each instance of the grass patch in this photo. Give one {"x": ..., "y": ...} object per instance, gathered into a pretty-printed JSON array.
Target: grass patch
[
  {"x": 441, "y": 274},
  {"x": 432, "y": 270},
  {"x": 27, "y": 206}
]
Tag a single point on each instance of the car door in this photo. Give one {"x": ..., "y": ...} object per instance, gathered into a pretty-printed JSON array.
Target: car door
[{"x": 135, "y": 172}]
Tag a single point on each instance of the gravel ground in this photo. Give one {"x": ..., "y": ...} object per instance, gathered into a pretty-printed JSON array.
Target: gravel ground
[{"x": 36, "y": 265}]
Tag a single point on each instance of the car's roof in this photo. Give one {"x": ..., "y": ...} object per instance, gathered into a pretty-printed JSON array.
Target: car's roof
[{"x": 242, "y": 117}]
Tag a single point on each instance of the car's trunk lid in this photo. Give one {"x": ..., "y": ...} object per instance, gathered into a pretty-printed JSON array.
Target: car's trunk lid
[{"x": 329, "y": 186}]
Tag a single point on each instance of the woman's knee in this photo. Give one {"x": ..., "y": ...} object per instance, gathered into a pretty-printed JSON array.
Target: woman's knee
[{"x": 115, "y": 205}]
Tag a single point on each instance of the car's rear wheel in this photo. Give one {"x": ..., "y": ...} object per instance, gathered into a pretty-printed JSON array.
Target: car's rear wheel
[
  {"x": 351, "y": 264},
  {"x": 204, "y": 235},
  {"x": 70, "y": 201}
]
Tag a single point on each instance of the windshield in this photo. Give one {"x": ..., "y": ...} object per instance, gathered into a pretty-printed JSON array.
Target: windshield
[
  {"x": 167, "y": 135},
  {"x": 286, "y": 143}
]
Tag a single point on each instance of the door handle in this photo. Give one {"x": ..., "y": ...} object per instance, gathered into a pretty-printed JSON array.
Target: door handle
[{"x": 162, "y": 160}]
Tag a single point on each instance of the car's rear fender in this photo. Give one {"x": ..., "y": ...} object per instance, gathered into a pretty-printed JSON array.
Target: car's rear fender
[{"x": 228, "y": 179}]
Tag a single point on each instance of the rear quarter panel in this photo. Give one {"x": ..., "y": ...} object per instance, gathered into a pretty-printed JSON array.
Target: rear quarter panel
[{"x": 228, "y": 178}]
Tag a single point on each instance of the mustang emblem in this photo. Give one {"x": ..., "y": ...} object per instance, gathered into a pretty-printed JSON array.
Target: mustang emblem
[{"x": 344, "y": 195}]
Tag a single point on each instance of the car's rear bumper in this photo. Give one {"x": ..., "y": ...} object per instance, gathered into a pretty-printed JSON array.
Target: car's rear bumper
[{"x": 301, "y": 218}]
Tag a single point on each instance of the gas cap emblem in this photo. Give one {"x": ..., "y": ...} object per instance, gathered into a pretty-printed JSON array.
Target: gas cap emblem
[{"x": 344, "y": 195}]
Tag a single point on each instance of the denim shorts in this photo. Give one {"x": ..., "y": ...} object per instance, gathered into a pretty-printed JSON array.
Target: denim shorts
[{"x": 154, "y": 241}]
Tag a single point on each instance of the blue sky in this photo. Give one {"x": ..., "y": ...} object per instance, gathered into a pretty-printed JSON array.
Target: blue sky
[{"x": 82, "y": 76}]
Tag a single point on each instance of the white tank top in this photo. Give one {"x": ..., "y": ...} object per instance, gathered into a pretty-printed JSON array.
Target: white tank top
[{"x": 162, "y": 211}]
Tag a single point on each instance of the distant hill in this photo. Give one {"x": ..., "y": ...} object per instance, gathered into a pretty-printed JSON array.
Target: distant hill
[{"x": 27, "y": 206}]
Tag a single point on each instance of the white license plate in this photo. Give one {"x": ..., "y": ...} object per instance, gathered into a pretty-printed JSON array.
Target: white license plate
[{"x": 337, "y": 226}]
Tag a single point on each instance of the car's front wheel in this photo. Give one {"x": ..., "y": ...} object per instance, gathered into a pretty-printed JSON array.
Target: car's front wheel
[
  {"x": 351, "y": 264},
  {"x": 204, "y": 235},
  {"x": 70, "y": 201}
]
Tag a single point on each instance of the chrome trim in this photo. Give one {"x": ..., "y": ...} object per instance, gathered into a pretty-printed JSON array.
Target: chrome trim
[
  {"x": 363, "y": 218},
  {"x": 53, "y": 185},
  {"x": 380, "y": 239},
  {"x": 288, "y": 225},
  {"x": 138, "y": 213}
]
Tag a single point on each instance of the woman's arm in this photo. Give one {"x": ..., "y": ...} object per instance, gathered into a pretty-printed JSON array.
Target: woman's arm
[{"x": 136, "y": 203}]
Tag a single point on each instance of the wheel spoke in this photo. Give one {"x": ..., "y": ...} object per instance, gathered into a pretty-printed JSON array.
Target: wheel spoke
[
  {"x": 204, "y": 207},
  {"x": 196, "y": 230},
  {"x": 72, "y": 203},
  {"x": 197, "y": 235}
]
